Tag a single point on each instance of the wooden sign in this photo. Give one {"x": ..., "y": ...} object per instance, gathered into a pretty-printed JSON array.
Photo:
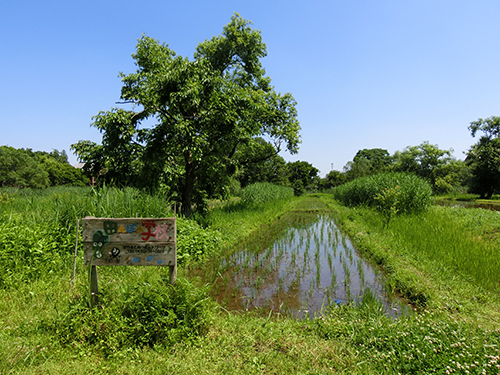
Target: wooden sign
[{"x": 129, "y": 241}]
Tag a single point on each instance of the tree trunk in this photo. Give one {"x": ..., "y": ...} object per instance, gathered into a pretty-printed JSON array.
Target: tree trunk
[{"x": 187, "y": 190}]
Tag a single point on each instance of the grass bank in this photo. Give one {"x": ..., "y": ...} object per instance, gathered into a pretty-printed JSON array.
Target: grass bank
[{"x": 444, "y": 258}]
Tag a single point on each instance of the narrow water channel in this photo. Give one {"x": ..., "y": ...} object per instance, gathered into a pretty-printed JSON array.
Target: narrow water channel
[{"x": 309, "y": 266}]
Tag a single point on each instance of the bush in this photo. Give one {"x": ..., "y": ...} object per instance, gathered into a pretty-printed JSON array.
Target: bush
[
  {"x": 405, "y": 193},
  {"x": 27, "y": 252},
  {"x": 145, "y": 314},
  {"x": 262, "y": 192},
  {"x": 195, "y": 242}
]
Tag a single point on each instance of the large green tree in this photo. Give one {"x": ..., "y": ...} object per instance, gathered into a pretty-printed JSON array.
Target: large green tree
[
  {"x": 484, "y": 157},
  {"x": 379, "y": 159},
  {"x": 202, "y": 110}
]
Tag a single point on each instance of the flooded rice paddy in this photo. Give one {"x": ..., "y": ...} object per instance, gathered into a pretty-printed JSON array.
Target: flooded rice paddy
[{"x": 298, "y": 268}]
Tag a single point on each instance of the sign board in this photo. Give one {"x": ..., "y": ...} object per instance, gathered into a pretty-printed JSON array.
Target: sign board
[{"x": 129, "y": 242}]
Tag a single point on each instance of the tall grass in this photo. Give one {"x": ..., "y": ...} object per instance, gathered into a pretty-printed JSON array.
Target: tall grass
[
  {"x": 142, "y": 325},
  {"x": 38, "y": 227},
  {"x": 456, "y": 239},
  {"x": 413, "y": 193},
  {"x": 263, "y": 192}
]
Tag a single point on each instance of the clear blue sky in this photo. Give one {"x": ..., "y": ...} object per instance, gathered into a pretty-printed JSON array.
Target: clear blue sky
[{"x": 365, "y": 74}]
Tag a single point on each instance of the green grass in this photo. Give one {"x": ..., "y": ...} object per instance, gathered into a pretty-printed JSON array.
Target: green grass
[
  {"x": 47, "y": 327},
  {"x": 263, "y": 192}
]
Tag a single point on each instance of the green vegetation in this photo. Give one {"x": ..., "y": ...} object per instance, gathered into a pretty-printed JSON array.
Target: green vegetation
[
  {"x": 36, "y": 169},
  {"x": 390, "y": 192},
  {"x": 204, "y": 109},
  {"x": 263, "y": 192},
  {"x": 443, "y": 260},
  {"x": 484, "y": 157},
  {"x": 438, "y": 167}
]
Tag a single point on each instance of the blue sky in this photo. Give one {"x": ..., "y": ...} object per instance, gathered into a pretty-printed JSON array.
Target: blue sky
[{"x": 365, "y": 74}]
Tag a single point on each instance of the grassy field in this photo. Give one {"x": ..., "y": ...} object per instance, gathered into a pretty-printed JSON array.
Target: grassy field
[{"x": 444, "y": 261}]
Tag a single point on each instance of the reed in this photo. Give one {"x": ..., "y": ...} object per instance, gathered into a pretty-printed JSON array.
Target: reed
[{"x": 413, "y": 193}]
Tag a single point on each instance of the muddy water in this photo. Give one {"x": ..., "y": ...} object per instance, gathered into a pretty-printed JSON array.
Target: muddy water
[
  {"x": 472, "y": 204},
  {"x": 298, "y": 270}
]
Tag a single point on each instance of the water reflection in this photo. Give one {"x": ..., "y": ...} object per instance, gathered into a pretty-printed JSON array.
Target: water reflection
[{"x": 311, "y": 266}]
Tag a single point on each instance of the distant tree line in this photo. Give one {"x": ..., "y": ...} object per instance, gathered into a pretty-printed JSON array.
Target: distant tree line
[
  {"x": 479, "y": 173},
  {"x": 37, "y": 169}
]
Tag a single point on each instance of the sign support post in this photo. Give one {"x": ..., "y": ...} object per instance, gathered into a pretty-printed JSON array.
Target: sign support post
[{"x": 94, "y": 290}]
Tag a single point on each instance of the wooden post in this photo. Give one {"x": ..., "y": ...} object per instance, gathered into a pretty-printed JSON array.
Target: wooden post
[
  {"x": 94, "y": 291},
  {"x": 76, "y": 253},
  {"x": 173, "y": 274}
]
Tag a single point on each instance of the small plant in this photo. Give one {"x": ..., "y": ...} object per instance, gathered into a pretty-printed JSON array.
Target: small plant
[{"x": 387, "y": 203}]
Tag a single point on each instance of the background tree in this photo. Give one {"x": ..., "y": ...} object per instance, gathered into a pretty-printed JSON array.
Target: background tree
[
  {"x": 484, "y": 157},
  {"x": 37, "y": 169},
  {"x": 379, "y": 159},
  {"x": 424, "y": 160},
  {"x": 302, "y": 176},
  {"x": 19, "y": 168},
  {"x": 355, "y": 169},
  {"x": 203, "y": 108},
  {"x": 367, "y": 162},
  {"x": 259, "y": 162},
  {"x": 333, "y": 179}
]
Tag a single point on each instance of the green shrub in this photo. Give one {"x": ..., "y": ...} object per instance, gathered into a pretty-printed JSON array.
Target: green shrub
[
  {"x": 27, "y": 252},
  {"x": 145, "y": 314},
  {"x": 405, "y": 193},
  {"x": 263, "y": 192},
  {"x": 195, "y": 242}
]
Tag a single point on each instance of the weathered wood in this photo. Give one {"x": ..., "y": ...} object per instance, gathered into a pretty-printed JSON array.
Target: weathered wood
[
  {"x": 94, "y": 290},
  {"x": 131, "y": 254},
  {"x": 173, "y": 273},
  {"x": 130, "y": 229},
  {"x": 129, "y": 241},
  {"x": 76, "y": 253}
]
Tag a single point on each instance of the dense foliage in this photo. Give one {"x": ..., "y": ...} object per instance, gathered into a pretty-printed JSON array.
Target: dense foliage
[
  {"x": 203, "y": 110},
  {"x": 405, "y": 192},
  {"x": 484, "y": 157},
  {"x": 438, "y": 167},
  {"x": 37, "y": 169},
  {"x": 263, "y": 192},
  {"x": 150, "y": 313}
]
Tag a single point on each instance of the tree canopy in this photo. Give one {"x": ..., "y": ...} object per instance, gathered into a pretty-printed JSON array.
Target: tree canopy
[
  {"x": 302, "y": 175},
  {"x": 202, "y": 109},
  {"x": 37, "y": 169},
  {"x": 484, "y": 157}
]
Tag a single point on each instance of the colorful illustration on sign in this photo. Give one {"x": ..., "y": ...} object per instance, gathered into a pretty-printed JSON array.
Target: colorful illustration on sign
[
  {"x": 148, "y": 225},
  {"x": 110, "y": 227},
  {"x": 161, "y": 231},
  {"x": 99, "y": 240},
  {"x": 114, "y": 253}
]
